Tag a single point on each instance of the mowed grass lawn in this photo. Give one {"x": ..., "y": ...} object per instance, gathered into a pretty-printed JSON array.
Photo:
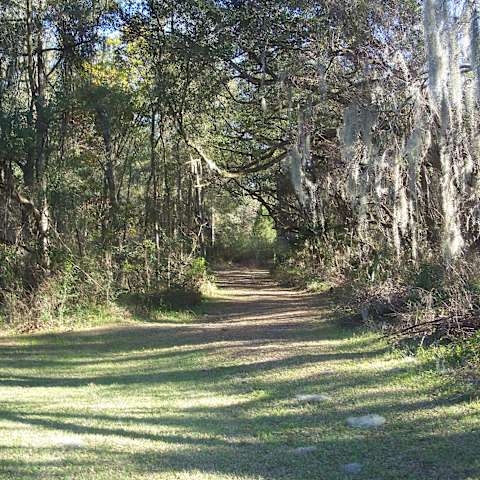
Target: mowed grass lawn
[{"x": 215, "y": 399}]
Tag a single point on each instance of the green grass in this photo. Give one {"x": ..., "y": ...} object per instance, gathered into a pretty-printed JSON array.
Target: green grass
[{"x": 176, "y": 398}]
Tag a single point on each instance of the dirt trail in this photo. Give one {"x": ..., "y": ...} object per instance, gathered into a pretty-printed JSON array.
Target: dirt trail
[
  {"x": 254, "y": 311},
  {"x": 252, "y": 295},
  {"x": 230, "y": 395}
]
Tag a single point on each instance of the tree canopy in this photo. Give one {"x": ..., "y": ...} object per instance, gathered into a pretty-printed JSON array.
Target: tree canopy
[{"x": 124, "y": 126}]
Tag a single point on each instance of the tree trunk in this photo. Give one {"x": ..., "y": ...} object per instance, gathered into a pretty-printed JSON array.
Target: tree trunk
[{"x": 34, "y": 170}]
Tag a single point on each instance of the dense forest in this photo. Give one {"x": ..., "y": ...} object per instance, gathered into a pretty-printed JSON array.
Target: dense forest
[{"x": 336, "y": 141}]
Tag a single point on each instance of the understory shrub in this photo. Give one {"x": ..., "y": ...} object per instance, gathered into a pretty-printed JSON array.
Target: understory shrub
[
  {"x": 433, "y": 305},
  {"x": 75, "y": 286},
  {"x": 414, "y": 305},
  {"x": 69, "y": 287}
]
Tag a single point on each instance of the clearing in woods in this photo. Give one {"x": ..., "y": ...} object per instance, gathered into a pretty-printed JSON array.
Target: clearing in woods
[{"x": 264, "y": 385}]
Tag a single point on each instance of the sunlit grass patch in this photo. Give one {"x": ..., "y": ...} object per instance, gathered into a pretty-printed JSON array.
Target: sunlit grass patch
[{"x": 199, "y": 397}]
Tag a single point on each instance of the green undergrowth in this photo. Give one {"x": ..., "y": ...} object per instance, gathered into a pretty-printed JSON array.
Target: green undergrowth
[
  {"x": 174, "y": 306},
  {"x": 77, "y": 295},
  {"x": 289, "y": 276},
  {"x": 387, "y": 300},
  {"x": 461, "y": 354}
]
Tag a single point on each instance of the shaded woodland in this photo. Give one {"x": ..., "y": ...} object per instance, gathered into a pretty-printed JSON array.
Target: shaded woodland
[{"x": 337, "y": 141}]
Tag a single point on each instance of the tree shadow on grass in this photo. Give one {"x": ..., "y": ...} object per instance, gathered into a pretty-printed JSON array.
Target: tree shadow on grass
[
  {"x": 231, "y": 441},
  {"x": 109, "y": 344},
  {"x": 179, "y": 375},
  {"x": 252, "y": 437}
]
